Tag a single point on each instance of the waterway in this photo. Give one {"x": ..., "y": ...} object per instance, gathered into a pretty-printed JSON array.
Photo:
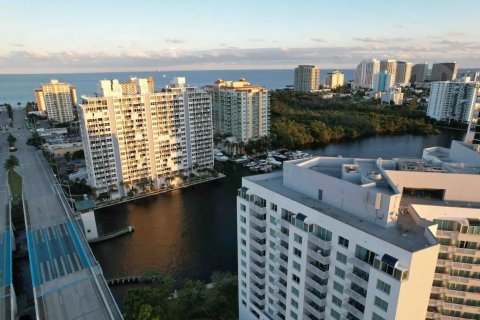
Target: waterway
[{"x": 191, "y": 233}]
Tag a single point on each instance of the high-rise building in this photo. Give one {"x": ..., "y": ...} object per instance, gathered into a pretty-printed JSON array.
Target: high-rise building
[
  {"x": 345, "y": 238},
  {"x": 365, "y": 71},
  {"x": 240, "y": 109},
  {"x": 306, "y": 78},
  {"x": 473, "y": 75},
  {"x": 383, "y": 81},
  {"x": 334, "y": 79},
  {"x": 393, "y": 96},
  {"x": 132, "y": 87},
  {"x": 57, "y": 100},
  {"x": 404, "y": 72},
  {"x": 446, "y": 71},
  {"x": 452, "y": 100},
  {"x": 419, "y": 72},
  {"x": 389, "y": 65},
  {"x": 128, "y": 138}
]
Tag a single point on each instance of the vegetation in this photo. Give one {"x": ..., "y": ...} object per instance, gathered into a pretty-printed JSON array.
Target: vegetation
[
  {"x": 11, "y": 140},
  {"x": 194, "y": 300},
  {"x": 14, "y": 179},
  {"x": 35, "y": 140},
  {"x": 30, "y": 106},
  {"x": 9, "y": 110},
  {"x": 301, "y": 119},
  {"x": 11, "y": 163}
]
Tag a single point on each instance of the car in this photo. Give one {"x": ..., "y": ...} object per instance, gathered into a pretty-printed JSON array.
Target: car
[{"x": 12, "y": 149}]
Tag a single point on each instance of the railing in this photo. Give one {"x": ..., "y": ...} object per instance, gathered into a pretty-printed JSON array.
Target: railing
[
  {"x": 360, "y": 264},
  {"x": 357, "y": 313},
  {"x": 257, "y": 221},
  {"x": 360, "y": 281},
  {"x": 327, "y": 245},
  {"x": 447, "y": 234},
  {"x": 257, "y": 208},
  {"x": 316, "y": 270},
  {"x": 355, "y": 295},
  {"x": 257, "y": 256},
  {"x": 318, "y": 256},
  {"x": 258, "y": 234},
  {"x": 320, "y": 314}
]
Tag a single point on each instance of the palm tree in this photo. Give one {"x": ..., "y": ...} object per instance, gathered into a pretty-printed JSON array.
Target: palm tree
[
  {"x": 11, "y": 140},
  {"x": 11, "y": 163}
]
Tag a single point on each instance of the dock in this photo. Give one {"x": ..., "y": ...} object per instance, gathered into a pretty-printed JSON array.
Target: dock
[{"x": 112, "y": 235}]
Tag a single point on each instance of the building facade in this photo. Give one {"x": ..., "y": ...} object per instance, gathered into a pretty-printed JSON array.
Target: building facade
[
  {"x": 383, "y": 81},
  {"x": 336, "y": 238},
  {"x": 307, "y": 78},
  {"x": 57, "y": 100},
  {"x": 452, "y": 100},
  {"x": 445, "y": 71},
  {"x": 240, "y": 109},
  {"x": 389, "y": 65},
  {"x": 419, "y": 73},
  {"x": 130, "y": 138},
  {"x": 364, "y": 73},
  {"x": 393, "y": 96},
  {"x": 403, "y": 73},
  {"x": 334, "y": 79}
]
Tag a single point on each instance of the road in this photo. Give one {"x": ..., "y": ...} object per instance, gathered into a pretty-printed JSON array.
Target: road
[{"x": 67, "y": 280}]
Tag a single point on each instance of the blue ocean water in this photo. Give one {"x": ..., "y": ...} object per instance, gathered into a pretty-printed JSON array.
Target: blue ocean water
[{"x": 16, "y": 88}]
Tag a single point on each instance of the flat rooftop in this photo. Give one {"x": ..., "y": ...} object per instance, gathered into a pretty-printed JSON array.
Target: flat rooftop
[{"x": 406, "y": 235}]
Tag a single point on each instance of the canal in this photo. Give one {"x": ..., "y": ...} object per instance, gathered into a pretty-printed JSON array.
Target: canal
[{"x": 191, "y": 233}]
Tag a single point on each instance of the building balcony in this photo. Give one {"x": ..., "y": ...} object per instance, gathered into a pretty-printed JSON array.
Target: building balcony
[
  {"x": 317, "y": 271},
  {"x": 440, "y": 276},
  {"x": 359, "y": 281},
  {"x": 258, "y": 289},
  {"x": 327, "y": 245},
  {"x": 259, "y": 222},
  {"x": 281, "y": 284},
  {"x": 258, "y": 234},
  {"x": 318, "y": 313},
  {"x": 467, "y": 252},
  {"x": 348, "y": 307},
  {"x": 446, "y": 249},
  {"x": 282, "y": 236},
  {"x": 260, "y": 210},
  {"x": 313, "y": 297},
  {"x": 317, "y": 286},
  {"x": 257, "y": 266},
  {"x": 460, "y": 307},
  {"x": 447, "y": 234},
  {"x": 257, "y": 256},
  {"x": 435, "y": 303},
  {"x": 468, "y": 237},
  {"x": 360, "y": 264},
  {"x": 259, "y": 302},
  {"x": 283, "y": 223},
  {"x": 318, "y": 256},
  {"x": 257, "y": 277},
  {"x": 463, "y": 280},
  {"x": 355, "y": 295},
  {"x": 281, "y": 262},
  {"x": 465, "y": 266},
  {"x": 280, "y": 297},
  {"x": 257, "y": 246}
]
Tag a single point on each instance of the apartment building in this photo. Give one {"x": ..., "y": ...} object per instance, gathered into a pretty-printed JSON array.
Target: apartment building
[
  {"x": 403, "y": 73},
  {"x": 334, "y": 79},
  {"x": 393, "y": 96},
  {"x": 338, "y": 238},
  {"x": 364, "y": 73},
  {"x": 57, "y": 100},
  {"x": 307, "y": 78},
  {"x": 240, "y": 109},
  {"x": 383, "y": 81},
  {"x": 452, "y": 100},
  {"x": 389, "y": 65},
  {"x": 445, "y": 71},
  {"x": 419, "y": 73},
  {"x": 131, "y": 137}
]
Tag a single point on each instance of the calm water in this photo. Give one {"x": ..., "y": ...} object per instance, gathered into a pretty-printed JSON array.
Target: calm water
[
  {"x": 192, "y": 232},
  {"x": 19, "y": 88}
]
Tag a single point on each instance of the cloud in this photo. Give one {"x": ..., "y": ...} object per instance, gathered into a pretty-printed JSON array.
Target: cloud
[
  {"x": 380, "y": 40},
  {"x": 317, "y": 39},
  {"x": 257, "y": 40},
  {"x": 398, "y": 26},
  {"x": 174, "y": 40},
  {"x": 16, "y": 44}
]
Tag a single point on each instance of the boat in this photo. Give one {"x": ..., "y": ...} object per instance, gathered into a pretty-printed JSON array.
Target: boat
[
  {"x": 218, "y": 156},
  {"x": 298, "y": 155},
  {"x": 278, "y": 155},
  {"x": 249, "y": 164},
  {"x": 242, "y": 159},
  {"x": 273, "y": 162}
]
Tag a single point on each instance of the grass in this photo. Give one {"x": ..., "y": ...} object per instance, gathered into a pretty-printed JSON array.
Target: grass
[{"x": 15, "y": 182}]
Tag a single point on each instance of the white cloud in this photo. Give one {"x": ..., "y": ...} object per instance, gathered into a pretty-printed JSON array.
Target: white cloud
[
  {"x": 174, "y": 40},
  {"x": 317, "y": 39}
]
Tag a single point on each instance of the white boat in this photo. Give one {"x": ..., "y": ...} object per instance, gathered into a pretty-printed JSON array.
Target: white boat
[
  {"x": 274, "y": 162},
  {"x": 220, "y": 158},
  {"x": 299, "y": 155},
  {"x": 278, "y": 155},
  {"x": 249, "y": 164},
  {"x": 242, "y": 159}
]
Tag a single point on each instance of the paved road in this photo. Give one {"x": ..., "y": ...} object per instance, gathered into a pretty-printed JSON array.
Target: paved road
[{"x": 67, "y": 281}]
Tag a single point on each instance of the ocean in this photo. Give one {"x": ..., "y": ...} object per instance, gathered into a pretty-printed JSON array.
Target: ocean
[{"x": 16, "y": 88}]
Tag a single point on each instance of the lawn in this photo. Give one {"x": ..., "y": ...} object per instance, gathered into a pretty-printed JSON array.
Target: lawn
[{"x": 15, "y": 182}]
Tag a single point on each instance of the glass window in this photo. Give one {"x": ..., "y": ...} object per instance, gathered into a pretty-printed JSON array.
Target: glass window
[
  {"x": 382, "y": 304},
  {"x": 343, "y": 242},
  {"x": 243, "y": 207},
  {"x": 297, "y": 252},
  {"x": 295, "y": 278},
  {"x": 294, "y": 303},
  {"x": 273, "y": 206},
  {"x": 297, "y": 238},
  {"x": 337, "y": 301},
  {"x": 376, "y": 317},
  {"x": 296, "y": 265},
  {"x": 339, "y": 273},
  {"x": 243, "y": 219},
  {"x": 293, "y": 315},
  {"x": 341, "y": 257},
  {"x": 273, "y": 220},
  {"x": 338, "y": 287},
  {"x": 295, "y": 292},
  {"x": 383, "y": 286},
  {"x": 335, "y": 315}
]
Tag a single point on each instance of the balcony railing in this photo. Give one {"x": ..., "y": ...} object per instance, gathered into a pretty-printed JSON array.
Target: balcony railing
[
  {"x": 282, "y": 236},
  {"x": 258, "y": 234},
  {"x": 259, "y": 222},
  {"x": 359, "y": 281},
  {"x": 319, "y": 314},
  {"x": 355, "y": 295},
  {"x": 360, "y": 264},
  {"x": 357, "y": 313},
  {"x": 257, "y": 256},
  {"x": 257, "y": 208},
  {"x": 327, "y": 245},
  {"x": 318, "y": 256},
  {"x": 312, "y": 296},
  {"x": 316, "y": 270},
  {"x": 314, "y": 284}
]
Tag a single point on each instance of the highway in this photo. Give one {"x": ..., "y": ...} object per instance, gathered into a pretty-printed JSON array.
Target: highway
[{"x": 67, "y": 281}]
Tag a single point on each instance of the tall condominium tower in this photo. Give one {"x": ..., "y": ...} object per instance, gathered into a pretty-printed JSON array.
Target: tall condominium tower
[
  {"x": 143, "y": 135},
  {"x": 57, "y": 99},
  {"x": 419, "y": 72},
  {"x": 404, "y": 72},
  {"x": 365, "y": 71},
  {"x": 334, "y": 79},
  {"x": 389, "y": 65},
  {"x": 240, "y": 109},
  {"x": 452, "y": 100},
  {"x": 383, "y": 81},
  {"x": 446, "y": 71},
  {"x": 345, "y": 238},
  {"x": 306, "y": 78}
]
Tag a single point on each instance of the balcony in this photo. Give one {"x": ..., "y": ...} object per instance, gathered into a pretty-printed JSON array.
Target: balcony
[
  {"x": 359, "y": 281},
  {"x": 348, "y": 307},
  {"x": 258, "y": 234},
  {"x": 257, "y": 266},
  {"x": 259, "y": 222},
  {"x": 462, "y": 280},
  {"x": 281, "y": 262},
  {"x": 257, "y": 246},
  {"x": 318, "y": 313},
  {"x": 280, "y": 297},
  {"x": 447, "y": 234},
  {"x": 440, "y": 276},
  {"x": 312, "y": 296},
  {"x": 258, "y": 301},
  {"x": 260, "y": 210},
  {"x": 282, "y": 249},
  {"x": 327, "y": 245},
  {"x": 467, "y": 252},
  {"x": 316, "y": 270},
  {"x": 257, "y": 288},
  {"x": 318, "y": 256},
  {"x": 355, "y": 295},
  {"x": 360, "y": 264},
  {"x": 284, "y": 223},
  {"x": 317, "y": 286},
  {"x": 446, "y": 249},
  {"x": 257, "y": 256},
  {"x": 257, "y": 277},
  {"x": 281, "y": 284},
  {"x": 282, "y": 236}
]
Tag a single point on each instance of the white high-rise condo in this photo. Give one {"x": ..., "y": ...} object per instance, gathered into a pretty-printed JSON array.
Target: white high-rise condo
[
  {"x": 145, "y": 135},
  {"x": 364, "y": 73},
  {"x": 306, "y": 78},
  {"x": 419, "y": 72},
  {"x": 389, "y": 65},
  {"x": 346, "y": 238},
  {"x": 240, "y": 109},
  {"x": 334, "y": 79},
  {"x": 445, "y": 71},
  {"x": 452, "y": 100},
  {"x": 404, "y": 72},
  {"x": 57, "y": 100}
]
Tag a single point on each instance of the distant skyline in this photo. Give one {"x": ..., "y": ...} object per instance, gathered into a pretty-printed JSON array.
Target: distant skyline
[{"x": 101, "y": 36}]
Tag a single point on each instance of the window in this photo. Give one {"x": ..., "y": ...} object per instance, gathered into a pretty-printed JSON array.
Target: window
[
  {"x": 341, "y": 257},
  {"x": 295, "y": 291},
  {"x": 337, "y": 301},
  {"x": 343, "y": 242},
  {"x": 381, "y": 303},
  {"x": 243, "y": 253},
  {"x": 294, "y": 303},
  {"x": 297, "y": 238},
  {"x": 335, "y": 315},
  {"x": 338, "y": 287},
  {"x": 297, "y": 252},
  {"x": 296, "y": 265},
  {"x": 339, "y": 273},
  {"x": 242, "y": 230},
  {"x": 243, "y": 219},
  {"x": 320, "y": 194},
  {"x": 242, "y": 207},
  {"x": 376, "y": 317},
  {"x": 293, "y": 315},
  {"x": 273, "y": 206},
  {"x": 272, "y": 233},
  {"x": 365, "y": 254},
  {"x": 382, "y": 286},
  {"x": 244, "y": 242},
  {"x": 295, "y": 278},
  {"x": 273, "y": 220}
]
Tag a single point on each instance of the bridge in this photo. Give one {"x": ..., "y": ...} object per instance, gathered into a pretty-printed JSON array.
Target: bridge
[{"x": 67, "y": 281}]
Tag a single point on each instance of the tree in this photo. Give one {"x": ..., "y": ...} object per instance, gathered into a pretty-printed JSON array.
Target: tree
[
  {"x": 67, "y": 156},
  {"x": 11, "y": 140},
  {"x": 11, "y": 163},
  {"x": 35, "y": 140},
  {"x": 79, "y": 154}
]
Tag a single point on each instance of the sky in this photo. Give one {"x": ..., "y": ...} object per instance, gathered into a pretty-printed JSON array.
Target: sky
[{"x": 55, "y": 36}]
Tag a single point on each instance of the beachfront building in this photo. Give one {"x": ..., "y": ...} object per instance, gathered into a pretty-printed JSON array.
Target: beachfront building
[
  {"x": 445, "y": 71},
  {"x": 345, "y": 238},
  {"x": 403, "y": 73},
  {"x": 364, "y": 73},
  {"x": 57, "y": 100},
  {"x": 306, "y": 78},
  {"x": 334, "y": 79},
  {"x": 132, "y": 138},
  {"x": 451, "y": 100},
  {"x": 389, "y": 65},
  {"x": 419, "y": 73},
  {"x": 240, "y": 109},
  {"x": 383, "y": 81}
]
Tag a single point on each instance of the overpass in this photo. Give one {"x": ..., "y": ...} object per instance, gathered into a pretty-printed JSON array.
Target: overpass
[{"x": 67, "y": 281}]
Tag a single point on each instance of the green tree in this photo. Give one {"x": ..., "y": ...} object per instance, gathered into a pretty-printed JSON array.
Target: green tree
[
  {"x": 35, "y": 140},
  {"x": 11, "y": 140},
  {"x": 11, "y": 163}
]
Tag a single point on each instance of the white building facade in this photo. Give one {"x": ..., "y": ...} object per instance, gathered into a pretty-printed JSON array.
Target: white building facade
[
  {"x": 306, "y": 78},
  {"x": 334, "y": 79},
  {"x": 57, "y": 100},
  {"x": 155, "y": 136},
  {"x": 403, "y": 73},
  {"x": 364, "y": 73},
  {"x": 393, "y": 96}
]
